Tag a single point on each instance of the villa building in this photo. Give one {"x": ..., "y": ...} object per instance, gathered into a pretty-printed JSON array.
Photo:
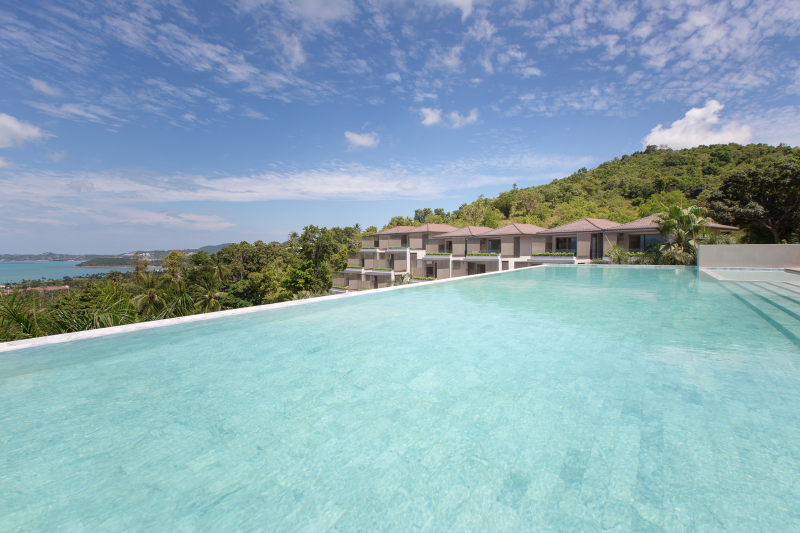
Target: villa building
[
  {"x": 441, "y": 251},
  {"x": 583, "y": 238},
  {"x": 385, "y": 254},
  {"x": 446, "y": 254},
  {"x": 637, "y": 235}
]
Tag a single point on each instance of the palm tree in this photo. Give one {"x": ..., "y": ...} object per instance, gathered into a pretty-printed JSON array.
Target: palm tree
[
  {"x": 208, "y": 301},
  {"x": 18, "y": 318},
  {"x": 179, "y": 301},
  {"x": 220, "y": 269},
  {"x": 304, "y": 295},
  {"x": 116, "y": 309},
  {"x": 682, "y": 227},
  {"x": 149, "y": 300},
  {"x": 617, "y": 255}
]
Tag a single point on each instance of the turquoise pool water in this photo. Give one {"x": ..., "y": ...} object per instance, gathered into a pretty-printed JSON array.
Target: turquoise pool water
[{"x": 557, "y": 398}]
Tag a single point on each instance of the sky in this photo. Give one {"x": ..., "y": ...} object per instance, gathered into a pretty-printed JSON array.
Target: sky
[{"x": 158, "y": 124}]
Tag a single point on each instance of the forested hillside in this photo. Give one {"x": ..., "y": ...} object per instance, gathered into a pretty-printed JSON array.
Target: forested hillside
[{"x": 623, "y": 189}]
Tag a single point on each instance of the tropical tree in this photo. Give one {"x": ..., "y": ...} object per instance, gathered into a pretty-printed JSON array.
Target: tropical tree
[
  {"x": 209, "y": 299},
  {"x": 304, "y": 295},
  {"x": 617, "y": 255},
  {"x": 139, "y": 265},
  {"x": 682, "y": 226},
  {"x": 762, "y": 200},
  {"x": 149, "y": 299},
  {"x": 174, "y": 263},
  {"x": 19, "y": 318},
  {"x": 115, "y": 309},
  {"x": 178, "y": 301},
  {"x": 220, "y": 269}
]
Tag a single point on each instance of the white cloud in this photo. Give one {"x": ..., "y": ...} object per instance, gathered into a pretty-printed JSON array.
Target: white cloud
[
  {"x": 252, "y": 113},
  {"x": 775, "y": 126},
  {"x": 189, "y": 117},
  {"x": 14, "y": 132},
  {"x": 430, "y": 116},
  {"x": 457, "y": 121},
  {"x": 464, "y": 5},
  {"x": 89, "y": 112},
  {"x": 449, "y": 60},
  {"x": 359, "y": 140},
  {"x": 221, "y": 104},
  {"x": 699, "y": 126},
  {"x": 44, "y": 87},
  {"x": 111, "y": 192},
  {"x": 433, "y": 116},
  {"x": 481, "y": 30},
  {"x": 527, "y": 71},
  {"x": 292, "y": 50},
  {"x": 420, "y": 96},
  {"x": 55, "y": 157},
  {"x": 393, "y": 77},
  {"x": 6, "y": 163}
]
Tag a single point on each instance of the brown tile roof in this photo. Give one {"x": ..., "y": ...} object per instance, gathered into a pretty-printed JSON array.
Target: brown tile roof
[
  {"x": 584, "y": 225},
  {"x": 514, "y": 229},
  {"x": 393, "y": 231},
  {"x": 466, "y": 231},
  {"x": 433, "y": 228},
  {"x": 649, "y": 222}
]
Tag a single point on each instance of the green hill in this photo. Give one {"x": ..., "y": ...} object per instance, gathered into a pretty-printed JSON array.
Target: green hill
[
  {"x": 107, "y": 262},
  {"x": 623, "y": 189}
]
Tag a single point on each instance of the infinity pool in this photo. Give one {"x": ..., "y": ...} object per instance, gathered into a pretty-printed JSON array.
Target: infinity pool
[{"x": 555, "y": 398}]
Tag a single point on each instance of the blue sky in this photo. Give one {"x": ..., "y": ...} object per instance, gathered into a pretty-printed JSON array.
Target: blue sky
[{"x": 160, "y": 124}]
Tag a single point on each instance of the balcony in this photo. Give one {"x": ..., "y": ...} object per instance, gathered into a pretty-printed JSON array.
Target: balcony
[
  {"x": 380, "y": 266},
  {"x": 490, "y": 252},
  {"x": 562, "y": 257},
  {"x": 398, "y": 249},
  {"x": 443, "y": 254}
]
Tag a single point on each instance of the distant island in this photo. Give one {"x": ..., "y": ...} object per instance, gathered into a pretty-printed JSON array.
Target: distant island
[
  {"x": 107, "y": 262},
  {"x": 125, "y": 259}
]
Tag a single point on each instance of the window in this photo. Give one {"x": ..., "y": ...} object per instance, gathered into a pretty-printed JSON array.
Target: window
[
  {"x": 565, "y": 244},
  {"x": 652, "y": 239},
  {"x": 634, "y": 243}
]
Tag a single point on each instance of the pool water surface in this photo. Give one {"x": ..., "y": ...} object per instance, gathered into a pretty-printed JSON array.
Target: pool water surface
[{"x": 553, "y": 398}]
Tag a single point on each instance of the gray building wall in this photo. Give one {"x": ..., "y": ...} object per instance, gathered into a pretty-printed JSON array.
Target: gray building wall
[{"x": 749, "y": 255}]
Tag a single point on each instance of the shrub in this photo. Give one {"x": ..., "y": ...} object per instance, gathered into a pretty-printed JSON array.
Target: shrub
[{"x": 555, "y": 254}]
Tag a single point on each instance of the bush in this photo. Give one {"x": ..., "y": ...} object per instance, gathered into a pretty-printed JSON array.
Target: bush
[{"x": 554, "y": 254}]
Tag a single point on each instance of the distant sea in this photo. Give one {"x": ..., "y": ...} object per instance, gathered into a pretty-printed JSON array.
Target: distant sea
[{"x": 16, "y": 271}]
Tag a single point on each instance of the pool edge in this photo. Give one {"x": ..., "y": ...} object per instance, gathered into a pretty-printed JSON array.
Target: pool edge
[{"x": 113, "y": 330}]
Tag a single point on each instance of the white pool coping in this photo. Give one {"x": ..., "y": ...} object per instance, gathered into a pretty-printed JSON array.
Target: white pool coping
[{"x": 113, "y": 330}]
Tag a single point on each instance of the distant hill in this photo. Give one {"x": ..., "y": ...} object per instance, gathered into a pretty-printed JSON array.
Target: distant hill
[
  {"x": 213, "y": 249},
  {"x": 107, "y": 262},
  {"x": 125, "y": 258},
  {"x": 49, "y": 256}
]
